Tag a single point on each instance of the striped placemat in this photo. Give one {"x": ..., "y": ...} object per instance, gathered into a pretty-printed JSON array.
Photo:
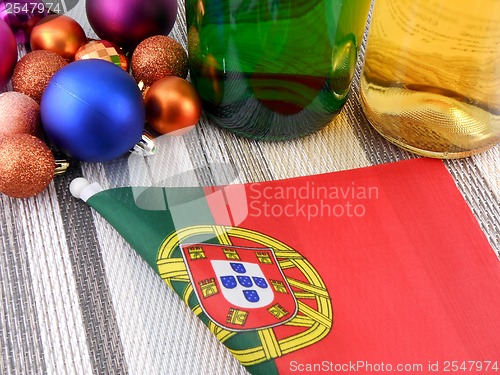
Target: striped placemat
[{"x": 76, "y": 299}]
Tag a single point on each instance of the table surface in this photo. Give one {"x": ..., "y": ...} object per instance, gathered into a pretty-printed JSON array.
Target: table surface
[{"x": 76, "y": 299}]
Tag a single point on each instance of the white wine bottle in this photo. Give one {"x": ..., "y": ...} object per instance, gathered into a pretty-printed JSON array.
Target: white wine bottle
[{"x": 431, "y": 80}]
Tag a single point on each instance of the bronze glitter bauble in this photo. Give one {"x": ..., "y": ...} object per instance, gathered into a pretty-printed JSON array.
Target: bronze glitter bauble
[
  {"x": 172, "y": 106},
  {"x": 103, "y": 50},
  {"x": 59, "y": 34},
  {"x": 26, "y": 166},
  {"x": 19, "y": 114},
  {"x": 157, "y": 57},
  {"x": 34, "y": 71}
]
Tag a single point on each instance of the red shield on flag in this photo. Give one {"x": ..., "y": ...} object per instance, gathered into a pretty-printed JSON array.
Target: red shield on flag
[{"x": 239, "y": 288}]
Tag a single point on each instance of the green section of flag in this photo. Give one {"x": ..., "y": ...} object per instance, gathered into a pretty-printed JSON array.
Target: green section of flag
[{"x": 146, "y": 216}]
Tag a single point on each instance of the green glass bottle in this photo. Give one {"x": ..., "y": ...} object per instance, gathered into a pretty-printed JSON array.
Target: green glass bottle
[{"x": 274, "y": 69}]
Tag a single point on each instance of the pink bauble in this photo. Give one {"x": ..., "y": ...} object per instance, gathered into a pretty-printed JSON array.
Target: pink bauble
[
  {"x": 8, "y": 53},
  {"x": 128, "y": 22}
]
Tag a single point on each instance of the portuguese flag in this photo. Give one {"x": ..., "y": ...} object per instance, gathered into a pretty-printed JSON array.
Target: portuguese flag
[{"x": 369, "y": 270}]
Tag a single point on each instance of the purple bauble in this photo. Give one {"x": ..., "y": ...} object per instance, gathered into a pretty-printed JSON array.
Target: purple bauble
[
  {"x": 8, "y": 53},
  {"x": 128, "y": 22}
]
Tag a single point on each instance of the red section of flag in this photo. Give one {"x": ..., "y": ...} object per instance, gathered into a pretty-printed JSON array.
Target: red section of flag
[{"x": 411, "y": 276}]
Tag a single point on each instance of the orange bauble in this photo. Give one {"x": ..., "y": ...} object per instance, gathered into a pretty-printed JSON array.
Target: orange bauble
[
  {"x": 172, "y": 106},
  {"x": 34, "y": 71},
  {"x": 27, "y": 166},
  {"x": 59, "y": 34},
  {"x": 157, "y": 57}
]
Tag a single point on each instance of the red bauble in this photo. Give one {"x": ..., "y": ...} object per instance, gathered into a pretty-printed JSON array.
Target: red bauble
[
  {"x": 8, "y": 53},
  {"x": 128, "y": 22}
]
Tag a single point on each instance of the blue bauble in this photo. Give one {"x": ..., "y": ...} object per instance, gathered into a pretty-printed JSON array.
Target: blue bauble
[{"x": 93, "y": 111}]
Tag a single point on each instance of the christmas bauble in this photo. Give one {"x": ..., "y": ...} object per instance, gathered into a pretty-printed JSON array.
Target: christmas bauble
[
  {"x": 103, "y": 50},
  {"x": 19, "y": 114},
  {"x": 172, "y": 106},
  {"x": 59, "y": 34},
  {"x": 93, "y": 110},
  {"x": 26, "y": 166},
  {"x": 128, "y": 22},
  {"x": 22, "y": 15},
  {"x": 157, "y": 57},
  {"x": 8, "y": 53},
  {"x": 34, "y": 71}
]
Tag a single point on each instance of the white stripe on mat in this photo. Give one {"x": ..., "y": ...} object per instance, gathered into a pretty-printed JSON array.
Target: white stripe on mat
[
  {"x": 489, "y": 164},
  {"x": 334, "y": 148},
  {"x": 61, "y": 325}
]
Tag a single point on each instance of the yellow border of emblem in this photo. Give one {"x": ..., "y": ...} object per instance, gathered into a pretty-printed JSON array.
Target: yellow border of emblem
[{"x": 316, "y": 322}]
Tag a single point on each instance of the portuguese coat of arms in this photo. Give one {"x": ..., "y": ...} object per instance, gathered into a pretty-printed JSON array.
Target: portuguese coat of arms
[{"x": 239, "y": 288}]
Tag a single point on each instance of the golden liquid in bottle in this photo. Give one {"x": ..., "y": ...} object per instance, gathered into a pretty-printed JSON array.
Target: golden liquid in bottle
[{"x": 431, "y": 80}]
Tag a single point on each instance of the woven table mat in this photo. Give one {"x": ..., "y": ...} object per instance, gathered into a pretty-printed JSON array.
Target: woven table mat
[{"x": 76, "y": 299}]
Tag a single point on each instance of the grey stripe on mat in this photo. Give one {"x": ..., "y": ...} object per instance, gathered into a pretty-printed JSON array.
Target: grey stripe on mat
[{"x": 106, "y": 351}]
